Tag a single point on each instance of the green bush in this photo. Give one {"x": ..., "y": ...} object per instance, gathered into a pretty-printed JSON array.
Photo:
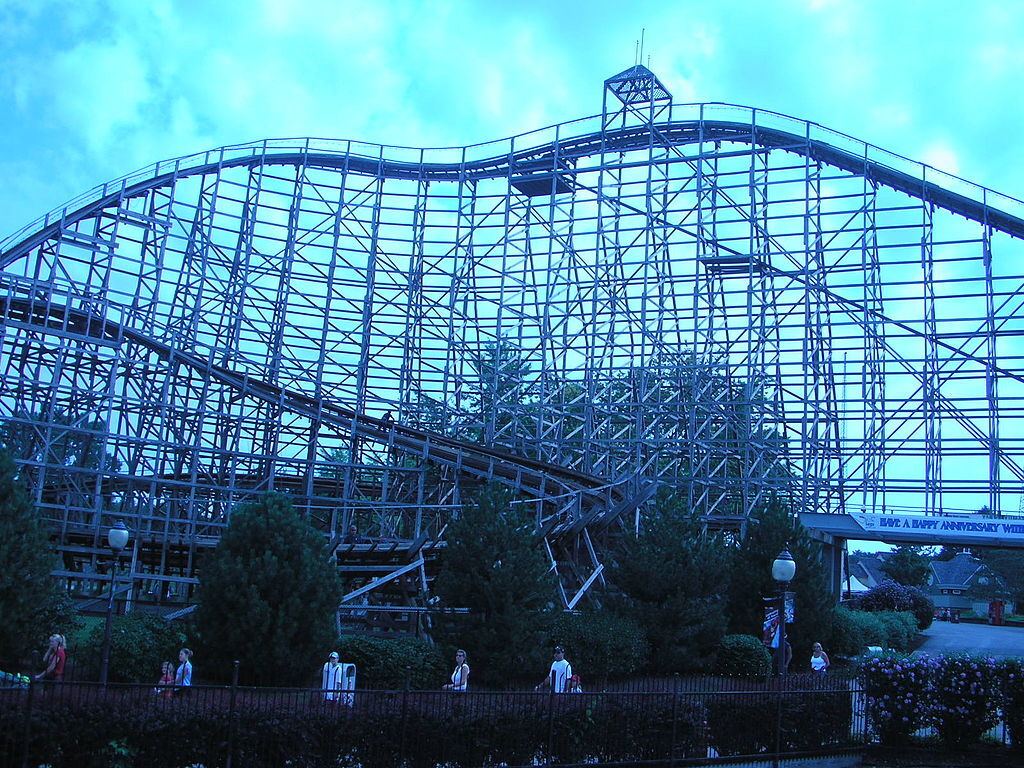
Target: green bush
[
  {"x": 601, "y": 645},
  {"x": 965, "y": 698},
  {"x": 898, "y": 691},
  {"x": 891, "y": 596},
  {"x": 1011, "y": 673},
  {"x": 922, "y": 607},
  {"x": 139, "y": 643},
  {"x": 384, "y": 664},
  {"x": 900, "y": 629},
  {"x": 854, "y": 630},
  {"x": 743, "y": 656},
  {"x": 425, "y": 729},
  {"x": 817, "y": 715},
  {"x": 814, "y": 714}
]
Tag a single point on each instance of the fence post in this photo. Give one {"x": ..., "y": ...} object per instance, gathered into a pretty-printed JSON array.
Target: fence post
[
  {"x": 779, "y": 682},
  {"x": 405, "y": 715},
  {"x": 551, "y": 720},
  {"x": 231, "y": 713},
  {"x": 27, "y": 732},
  {"x": 675, "y": 719}
]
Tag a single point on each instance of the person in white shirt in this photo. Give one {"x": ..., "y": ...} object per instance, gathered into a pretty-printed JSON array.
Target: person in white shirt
[
  {"x": 460, "y": 675},
  {"x": 183, "y": 677},
  {"x": 559, "y": 674},
  {"x": 819, "y": 659},
  {"x": 330, "y": 678}
]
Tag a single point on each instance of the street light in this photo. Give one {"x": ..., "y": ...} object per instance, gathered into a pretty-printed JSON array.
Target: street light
[
  {"x": 117, "y": 539},
  {"x": 783, "y": 571}
]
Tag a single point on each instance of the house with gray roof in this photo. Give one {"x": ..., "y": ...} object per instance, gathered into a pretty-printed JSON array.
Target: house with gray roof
[{"x": 965, "y": 584}]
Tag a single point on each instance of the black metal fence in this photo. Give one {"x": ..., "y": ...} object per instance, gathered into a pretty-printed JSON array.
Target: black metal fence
[{"x": 708, "y": 719}]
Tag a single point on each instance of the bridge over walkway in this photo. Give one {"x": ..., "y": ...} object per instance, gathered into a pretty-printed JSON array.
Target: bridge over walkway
[{"x": 929, "y": 530}]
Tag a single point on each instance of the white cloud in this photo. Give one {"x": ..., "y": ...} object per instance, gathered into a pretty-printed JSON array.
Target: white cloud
[
  {"x": 98, "y": 114},
  {"x": 941, "y": 155}
]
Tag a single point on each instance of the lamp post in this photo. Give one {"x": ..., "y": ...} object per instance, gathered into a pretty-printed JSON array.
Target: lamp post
[
  {"x": 783, "y": 571},
  {"x": 117, "y": 539}
]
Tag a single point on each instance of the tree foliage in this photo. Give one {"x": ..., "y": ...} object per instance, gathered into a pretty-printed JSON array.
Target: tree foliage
[
  {"x": 1009, "y": 566},
  {"x": 602, "y": 645},
  {"x": 674, "y": 580},
  {"x": 769, "y": 530},
  {"x": 268, "y": 596},
  {"x": 60, "y": 439},
  {"x": 743, "y": 656},
  {"x": 907, "y": 565},
  {"x": 139, "y": 644},
  {"x": 893, "y": 596},
  {"x": 494, "y": 568},
  {"x": 389, "y": 663},
  {"x": 31, "y": 604},
  {"x": 501, "y": 406}
]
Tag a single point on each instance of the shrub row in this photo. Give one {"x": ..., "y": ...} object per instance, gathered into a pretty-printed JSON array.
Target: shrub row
[
  {"x": 391, "y": 663},
  {"x": 892, "y": 596},
  {"x": 853, "y": 630},
  {"x": 423, "y": 729},
  {"x": 960, "y": 696}
]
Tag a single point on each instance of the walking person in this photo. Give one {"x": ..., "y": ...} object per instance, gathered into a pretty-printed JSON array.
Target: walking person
[
  {"x": 55, "y": 658},
  {"x": 559, "y": 674},
  {"x": 330, "y": 678},
  {"x": 183, "y": 677},
  {"x": 819, "y": 659},
  {"x": 460, "y": 675}
]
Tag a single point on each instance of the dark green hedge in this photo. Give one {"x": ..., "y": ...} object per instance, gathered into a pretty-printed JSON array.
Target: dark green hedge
[{"x": 135, "y": 728}]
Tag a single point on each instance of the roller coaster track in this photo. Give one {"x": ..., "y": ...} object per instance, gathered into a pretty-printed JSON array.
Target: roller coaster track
[
  {"x": 579, "y": 499},
  {"x": 597, "y": 161},
  {"x": 558, "y": 157}
]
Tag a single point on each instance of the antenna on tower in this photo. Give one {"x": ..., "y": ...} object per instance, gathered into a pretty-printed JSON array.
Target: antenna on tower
[{"x": 640, "y": 58}]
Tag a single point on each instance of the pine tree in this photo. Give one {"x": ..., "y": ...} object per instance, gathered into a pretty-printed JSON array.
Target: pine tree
[
  {"x": 769, "y": 530},
  {"x": 494, "y": 567},
  {"x": 268, "y": 596},
  {"x": 32, "y": 607},
  {"x": 907, "y": 566},
  {"x": 675, "y": 579}
]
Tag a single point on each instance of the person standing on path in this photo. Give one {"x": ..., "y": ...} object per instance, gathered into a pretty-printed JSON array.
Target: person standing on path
[
  {"x": 559, "y": 674},
  {"x": 330, "y": 678},
  {"x": 55, "y": 659},
  {"x": 819, "y": 659},
  {"x": 460, "y": 675},
  {"x": 183, "y": 677}
]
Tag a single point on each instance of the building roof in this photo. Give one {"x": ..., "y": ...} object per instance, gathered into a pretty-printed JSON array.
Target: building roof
[
  {"x": 956, "y": 573},
  {"x": 854, "y": 586},
  {"x": 868, "y": 568}
]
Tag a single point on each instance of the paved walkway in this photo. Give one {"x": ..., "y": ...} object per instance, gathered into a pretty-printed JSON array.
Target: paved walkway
[{"x": 979, "y": 639}]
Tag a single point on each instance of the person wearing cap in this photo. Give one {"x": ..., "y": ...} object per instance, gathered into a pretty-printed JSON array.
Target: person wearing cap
[
  {"x": 330, "y": 678},
  {"x": 559, "y": 674}
]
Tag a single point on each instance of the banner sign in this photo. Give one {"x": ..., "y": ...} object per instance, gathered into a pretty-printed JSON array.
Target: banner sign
[
  {"x": 770, "y": 630},
  {"x": 979, "y": 528}
]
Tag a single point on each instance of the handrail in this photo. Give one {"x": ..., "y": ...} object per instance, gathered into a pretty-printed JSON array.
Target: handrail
[{"x": 761, "y": 127}]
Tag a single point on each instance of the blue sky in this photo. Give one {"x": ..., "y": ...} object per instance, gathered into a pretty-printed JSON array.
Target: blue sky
[{"x": 93, "y": 89}]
